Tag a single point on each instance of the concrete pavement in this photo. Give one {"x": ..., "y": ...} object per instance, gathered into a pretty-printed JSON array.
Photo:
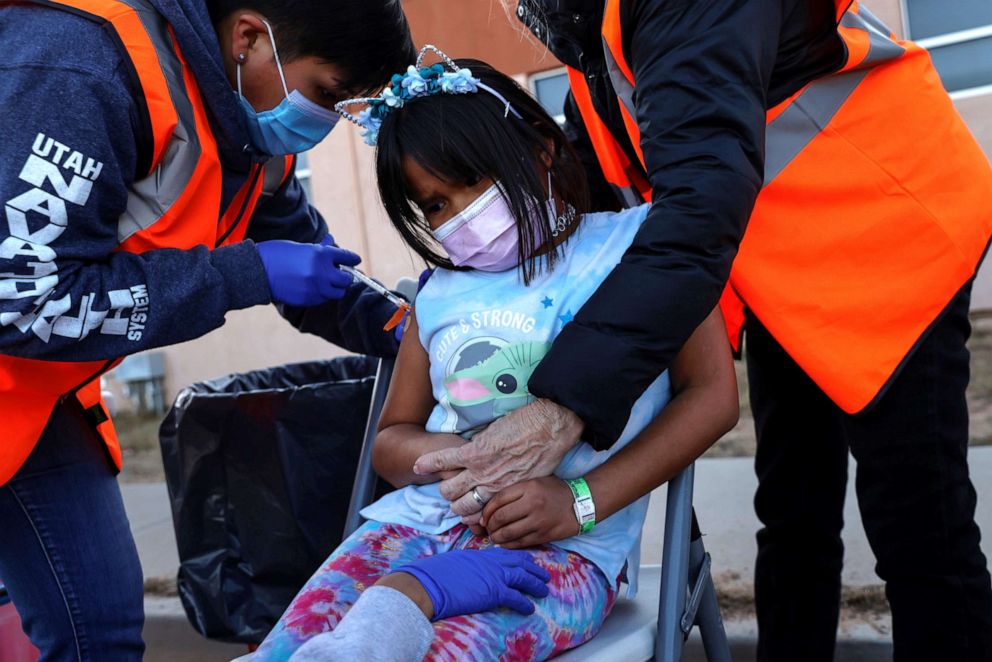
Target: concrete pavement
[
  {"x": 723, "y": 493},
  {"x": 168, "y": 635},
  {"x": 147, "y": 506}
]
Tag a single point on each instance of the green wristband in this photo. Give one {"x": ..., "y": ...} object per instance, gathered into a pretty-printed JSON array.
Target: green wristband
[{"x": 584, "y": 508}]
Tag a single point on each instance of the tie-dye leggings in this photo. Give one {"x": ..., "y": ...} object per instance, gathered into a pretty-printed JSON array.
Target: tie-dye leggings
[{"x": 579, "y": 601}]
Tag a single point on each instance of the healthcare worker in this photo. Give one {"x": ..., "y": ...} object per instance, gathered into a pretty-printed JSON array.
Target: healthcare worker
[
  {"x": 866, "y": 204},
  {"x": 148, "y": 188}
]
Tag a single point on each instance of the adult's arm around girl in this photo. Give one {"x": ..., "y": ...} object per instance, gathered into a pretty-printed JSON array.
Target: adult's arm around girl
[
  {"x": 704, "y": 407},
  {"x": 702, "y": 72}
]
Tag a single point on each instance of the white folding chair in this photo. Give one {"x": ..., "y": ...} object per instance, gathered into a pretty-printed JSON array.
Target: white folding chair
[{"x": 671, "y": 598}]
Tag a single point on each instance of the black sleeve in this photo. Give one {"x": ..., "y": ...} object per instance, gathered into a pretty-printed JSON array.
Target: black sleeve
[
  {"x": 354, "y": 322},
  {"x": 702, "y": 71}
]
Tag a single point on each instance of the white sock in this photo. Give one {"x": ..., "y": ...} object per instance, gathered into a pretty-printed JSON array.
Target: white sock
[{"x": 383, "y": 626}]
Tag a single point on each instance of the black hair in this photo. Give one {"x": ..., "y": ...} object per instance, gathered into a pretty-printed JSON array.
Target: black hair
[
  {"x": 460, "y": 138},
  {"x": 368, "y": 39}
]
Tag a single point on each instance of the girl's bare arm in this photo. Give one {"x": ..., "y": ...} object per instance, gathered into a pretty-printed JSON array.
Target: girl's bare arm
[
  {"x": 704, "y": 408},
  {"x": 401, "y": 437}
]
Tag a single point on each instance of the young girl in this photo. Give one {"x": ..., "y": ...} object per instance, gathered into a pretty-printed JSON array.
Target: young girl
[{"x": 481, "y": 182}]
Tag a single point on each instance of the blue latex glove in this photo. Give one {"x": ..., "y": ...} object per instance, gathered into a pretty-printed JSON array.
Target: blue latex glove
[
  {"x": 469, "y": 581},
  {"x": 425, "y": 276},
  {"x": 305, "y": 274}
]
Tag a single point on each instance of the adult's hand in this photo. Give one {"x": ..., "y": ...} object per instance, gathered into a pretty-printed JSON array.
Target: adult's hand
[
  {"x": 305, "y": 274},
  {"x": 524, "y": 444},
  {"x": 469, "y": 581}
]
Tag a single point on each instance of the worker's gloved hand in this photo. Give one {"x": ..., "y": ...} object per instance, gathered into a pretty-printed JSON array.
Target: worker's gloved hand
[
  {"x": 305, "y": 274},
  {"x": 469, "y": 581}
]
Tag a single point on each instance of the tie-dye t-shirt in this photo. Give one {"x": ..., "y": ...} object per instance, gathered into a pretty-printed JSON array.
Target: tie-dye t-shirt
[{"x": 485, "y": 333}]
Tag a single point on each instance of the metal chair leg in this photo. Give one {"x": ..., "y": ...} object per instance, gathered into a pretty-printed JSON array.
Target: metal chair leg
[
  {"x": 688, "y": 596},
  {"x": 674, "y": 568},
  {"x": 707, "y": 615}
]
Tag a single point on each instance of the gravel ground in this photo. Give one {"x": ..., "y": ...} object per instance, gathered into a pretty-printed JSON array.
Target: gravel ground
[
  {"x": 740, "y": 441},
  {"x": 863, "y": 605},
  {"x": 980, "y": 389}
]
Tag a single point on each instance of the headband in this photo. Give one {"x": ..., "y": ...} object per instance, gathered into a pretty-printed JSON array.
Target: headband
[{"x": 418, "y": 81}]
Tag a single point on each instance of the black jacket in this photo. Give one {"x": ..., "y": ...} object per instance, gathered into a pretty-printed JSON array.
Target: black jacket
[{"x": 706, "y": 73}]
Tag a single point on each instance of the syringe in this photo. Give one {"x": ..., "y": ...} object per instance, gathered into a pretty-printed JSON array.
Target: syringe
[{"x": 397, "y": 301}]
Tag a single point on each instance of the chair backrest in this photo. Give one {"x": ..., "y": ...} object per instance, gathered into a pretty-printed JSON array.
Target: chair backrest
[{"x": 364, "y": 487}]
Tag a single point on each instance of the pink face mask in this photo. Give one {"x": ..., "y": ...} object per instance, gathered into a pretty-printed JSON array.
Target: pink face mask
[{"x": 483, "y": 235}]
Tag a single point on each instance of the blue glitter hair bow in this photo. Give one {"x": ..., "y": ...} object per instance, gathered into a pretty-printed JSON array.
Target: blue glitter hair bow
[{"x": 418, "y": 81}]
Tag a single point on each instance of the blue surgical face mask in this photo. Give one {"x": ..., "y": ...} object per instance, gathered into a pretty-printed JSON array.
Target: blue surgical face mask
[{"x": 295, "y": 125}]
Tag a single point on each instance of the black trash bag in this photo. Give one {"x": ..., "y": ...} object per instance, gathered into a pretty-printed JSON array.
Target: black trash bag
[{"x": 260, "y": 468}]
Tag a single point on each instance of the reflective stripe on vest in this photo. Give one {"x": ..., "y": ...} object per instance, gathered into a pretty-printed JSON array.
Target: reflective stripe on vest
[
  {"x": 626, "y": 178},
  {"x": 150, "y": 197},
  {"x": 177, "y": 204},
  {"x": 861, "y": 235}
]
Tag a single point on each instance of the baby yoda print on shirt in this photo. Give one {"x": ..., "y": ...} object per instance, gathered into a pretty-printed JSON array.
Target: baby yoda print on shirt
[{"x": 492, "y": 385}]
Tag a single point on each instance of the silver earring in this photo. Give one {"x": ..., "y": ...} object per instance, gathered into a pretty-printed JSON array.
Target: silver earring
[
  {"x": 559, "y": 223},
  {"x": 241, "y": 57}
]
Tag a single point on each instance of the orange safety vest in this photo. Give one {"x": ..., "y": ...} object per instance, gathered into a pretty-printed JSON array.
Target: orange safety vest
[
  {"x": 874, "y": 211},
  {"x": 176, "y": 205}
]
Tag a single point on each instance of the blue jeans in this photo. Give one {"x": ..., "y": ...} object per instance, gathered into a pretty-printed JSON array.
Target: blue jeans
[{"x": 66, "y": 550}]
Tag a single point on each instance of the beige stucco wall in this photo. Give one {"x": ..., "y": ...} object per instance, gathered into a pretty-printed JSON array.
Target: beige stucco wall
[
  {"x": 344, "y": 190},
  {"x": 889, "y": 12}
]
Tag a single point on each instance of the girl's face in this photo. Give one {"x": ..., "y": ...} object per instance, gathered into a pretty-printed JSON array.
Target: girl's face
[{"x": 439, "y": 200}]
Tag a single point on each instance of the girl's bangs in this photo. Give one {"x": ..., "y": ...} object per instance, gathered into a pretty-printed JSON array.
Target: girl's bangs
[{"x": 439, "y": 136}]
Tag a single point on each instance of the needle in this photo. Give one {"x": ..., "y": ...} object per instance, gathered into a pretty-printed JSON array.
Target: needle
[{"x": 399, "y": 302}]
